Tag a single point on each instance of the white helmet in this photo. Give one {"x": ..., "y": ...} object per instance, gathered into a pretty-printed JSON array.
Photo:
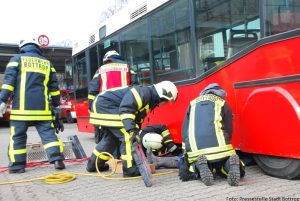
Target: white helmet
[
  {"x": 28, "y": 41},
  {"x": 109, "y": 54},
  {"x": 166, "y": 90},
  {"x": 152, "y": 140}
]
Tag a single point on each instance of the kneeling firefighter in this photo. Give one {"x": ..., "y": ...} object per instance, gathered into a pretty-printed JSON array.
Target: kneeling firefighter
[{"x": 157, "y": 139}]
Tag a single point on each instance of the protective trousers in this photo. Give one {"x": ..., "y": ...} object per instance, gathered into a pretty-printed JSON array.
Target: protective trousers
[
  {"x": 109, "y": 143},
  {"x": 17, "y": 152}
]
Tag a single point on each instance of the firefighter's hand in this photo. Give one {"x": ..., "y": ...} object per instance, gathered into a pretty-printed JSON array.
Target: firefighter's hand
[
  {"x": 184, "y": 174},
  {"x": 171, "y": 147},
  {"x": 134, "y": 135},
  {"x": 57, "y": 121},
  {"x": 2, "y": 108},
  {"x": 60, "y": 126}
]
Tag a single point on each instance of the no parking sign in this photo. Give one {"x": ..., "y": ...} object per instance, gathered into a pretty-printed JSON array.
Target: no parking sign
[{"x": 43, "y": 40}]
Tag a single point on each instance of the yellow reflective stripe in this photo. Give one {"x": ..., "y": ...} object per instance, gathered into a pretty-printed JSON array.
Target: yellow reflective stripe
[
  {"x": 11, "y": 151},
  {"x": 210, "y": 150},
  {"x": 94, "y": 114},
  {"x": 54, "y": 93},
  {"x": 212, "y": 153},
  {"x": 32, "y": 112},
  {"x": 105, "y": 116},
  {"x": 183, "y": 145},
  {"x": 11, "y": 145},
  {"x": 53, "y": 69},
  {"x": 124, "y": 78},
  {"x": 22, "y": 87},
  {"x": 51, "y": 144},
  {"x": 132, "y": 72},
  {"x": 137, "y": 97},
  {"x": 128, "y": 157},
  {"x": 107, "y": 123},
  {"x": 8, "y": 87},
  {"x": 31, "y": 118},
  {"x": 223, "y": 171},
  {"x": 96, "y": 75},
  {"x": 166, "y": 141},
  {"x": 12, "y": 64},
  {"x": 127, "y": 116},
  {"x": 218, "y": 125},
  {"x": 91, "y": 97},
  {"x": 104, "y": 82},
  {"x": 220, "y": 155},
  {"x": 46, "y": 80},
  {"x": 102, "y": 156},
  {"x": 191, "y": 128},
  {"x": 165, "y": 133}
]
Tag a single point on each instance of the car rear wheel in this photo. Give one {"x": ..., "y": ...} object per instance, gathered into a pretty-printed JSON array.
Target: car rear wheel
[
  {"x": 286, "y": 168},
  {"x": 69, "y": 118}
]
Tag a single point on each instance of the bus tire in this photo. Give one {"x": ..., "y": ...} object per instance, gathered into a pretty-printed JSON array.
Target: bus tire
[
  {"x": 69, "y": 118},
  {"x": 286, "y": 168}
]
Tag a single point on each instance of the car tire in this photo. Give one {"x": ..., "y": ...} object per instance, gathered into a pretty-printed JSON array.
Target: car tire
[
  {"x": 69, "y": 118},
  {"x": 286, "y": 168}
]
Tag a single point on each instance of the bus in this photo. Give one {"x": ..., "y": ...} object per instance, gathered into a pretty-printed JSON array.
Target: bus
[{"x": 249, "y": 47}]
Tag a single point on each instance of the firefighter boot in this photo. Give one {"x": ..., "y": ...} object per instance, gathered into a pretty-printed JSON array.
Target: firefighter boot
[
  {"x": 59, "y": 165},
  {"x": 205, "y": 173},
  {"x": 165, "y": 162},
  {"x": 102, "y": 166},
  {"x": 233, "y": 177},
  {"x": 22, "y": 170}
]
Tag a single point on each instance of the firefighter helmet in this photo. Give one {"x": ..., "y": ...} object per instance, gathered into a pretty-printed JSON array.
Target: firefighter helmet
[
  {"x": 109, "y": 54},
  {"x": 152, "y": 140},
  {"x": 28, "y": 42},
  {"x": 166, "y": 90}
]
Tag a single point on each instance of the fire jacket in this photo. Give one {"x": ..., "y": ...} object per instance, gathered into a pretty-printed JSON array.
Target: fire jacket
[
  {"x": 207, "y": 128},
  {"x": 109, "y": 76},
  {"x": 31, "y": 78},
  {"x": 124, "y": 107}
]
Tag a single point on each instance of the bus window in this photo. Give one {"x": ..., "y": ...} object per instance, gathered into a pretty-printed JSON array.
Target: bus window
[
  {"x": 281, "y": 16},
  {"x": 134, "y": 43},
  {"x": 239, "y": 40},
  {"x": 80, "y": 74},
  {"x": 213, "y": 25},
  {"x": 68, "y": 74},
  {"x": 170, "y": 48}
]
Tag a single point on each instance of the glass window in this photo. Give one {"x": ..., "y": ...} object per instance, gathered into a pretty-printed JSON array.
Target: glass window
[
  {"x": 281, "y": 16},
  {"x": 68, "y": 75},
  {"x": 111, "y": 43},
  {"x": 170, "y": 43},
  {"x": 224, "y": 28},
  {"x": 134, "y": 44}
]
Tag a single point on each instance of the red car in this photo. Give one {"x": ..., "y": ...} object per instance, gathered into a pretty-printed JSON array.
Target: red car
[
  {"x": 67, "y": 104},
  {"x": 6, "y": 115}
]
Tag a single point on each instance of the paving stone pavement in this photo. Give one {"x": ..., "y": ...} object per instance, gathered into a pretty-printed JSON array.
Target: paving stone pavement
[{"x": 254, "y": 187}]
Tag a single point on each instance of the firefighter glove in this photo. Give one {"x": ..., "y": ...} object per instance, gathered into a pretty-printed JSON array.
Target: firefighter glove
[
  {"x": 134, "y": 135},
  {"x": 171, "y": 147},
  {"x": 99, "y": 133},
  {"x": 56, "y": 118},
  {"x": 2, "y": 108},
  {"x": 90, "y": 104},
  {"x": 184, "y": 174}
]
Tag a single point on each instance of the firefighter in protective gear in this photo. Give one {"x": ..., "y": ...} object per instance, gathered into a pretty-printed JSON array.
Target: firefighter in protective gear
[
  {"x": 206, "y": 136},
  {"x": 167, "y": 146},
  {"x": 120, "y": 112},
  {"x": 31, "y": 78},
  {"x": 114, "y": 72}
]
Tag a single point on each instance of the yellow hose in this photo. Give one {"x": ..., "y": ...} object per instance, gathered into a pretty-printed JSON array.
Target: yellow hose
[{"x": 64, "y": 177}]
